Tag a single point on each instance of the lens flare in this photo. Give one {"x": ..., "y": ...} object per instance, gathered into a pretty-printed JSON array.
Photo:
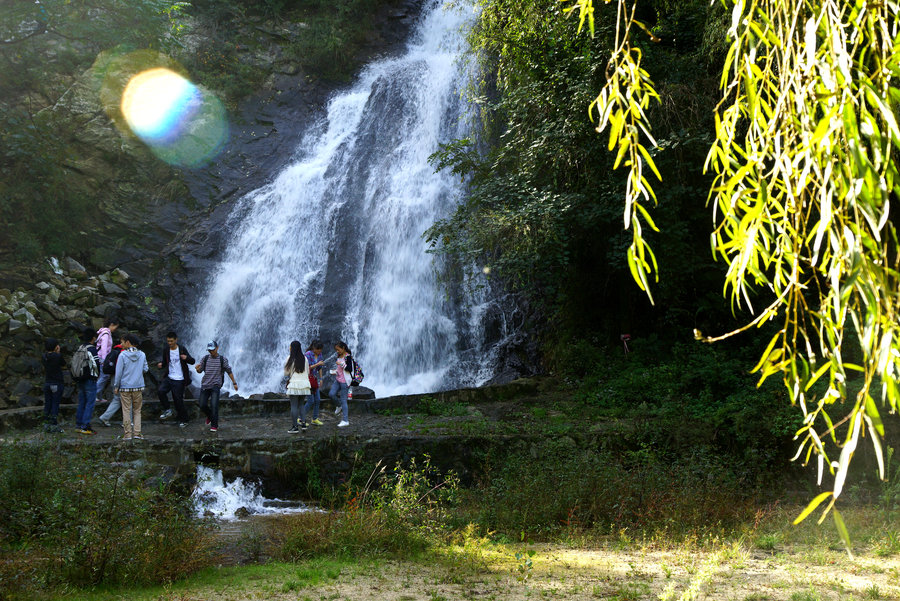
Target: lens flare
[
  {"x": 181, "y": 123},
  {"x": 158, "y": 103}
]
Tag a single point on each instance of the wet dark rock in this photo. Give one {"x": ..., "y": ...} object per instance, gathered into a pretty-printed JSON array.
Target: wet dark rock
[
  {"x": 27, "y": 400},
  {"x": 361, "y": 393},
  {"x": 110, "y": 288},
  {"x": 241, "y": 512}
]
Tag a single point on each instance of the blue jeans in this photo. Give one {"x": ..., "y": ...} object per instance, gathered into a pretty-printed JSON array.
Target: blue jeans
[
  {"x": 314, "y": 400},
  {"x": 114, "y": 405},
  {"x": 340, "y": 389},
  {"x": 211, "y": 396},
  {"x": 87, "y": 396},
  {"x": 101, "y": 384},
  {"x": 52, "y": 397}
]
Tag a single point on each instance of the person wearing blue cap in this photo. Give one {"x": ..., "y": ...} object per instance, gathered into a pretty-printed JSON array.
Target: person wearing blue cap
[{"x": 213, "y": 367}]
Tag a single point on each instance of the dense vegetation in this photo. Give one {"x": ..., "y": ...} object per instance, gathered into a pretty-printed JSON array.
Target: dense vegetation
[
  {"x": 545, "y": 213},
  {"x": 798, "y": 143},
  {"x": 82, "y": 519}
]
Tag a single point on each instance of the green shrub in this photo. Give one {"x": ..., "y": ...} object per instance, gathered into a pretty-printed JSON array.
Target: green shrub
[
  {"x": 396, "y": 513},
  {"x": 545, "y": 487},
  {"x": 83, "y": 520}
]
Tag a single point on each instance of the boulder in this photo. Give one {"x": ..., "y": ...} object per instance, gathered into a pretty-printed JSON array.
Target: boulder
[
  {"x": 113, "y": 289},
  {"x": 108, "y": 308},
  {"x": 55, "y": 311},
  {"x": 26, "y": 400},
  {"x": 43, "y": 286},
  {"x": 22, "y": 387},
  {"x": 74, "y": 268},
  {"x": 79, "y": 317},
  {"x": 361, "y": 393},
  {"x": 77, "y": 293},
  {"x": 53, "y": 293},
  {"x": 25, "y": 316},
  {"x": 16, "y": 364},
  {"x": 16, "y": 326},
  {"x": 119, "y": 277}
]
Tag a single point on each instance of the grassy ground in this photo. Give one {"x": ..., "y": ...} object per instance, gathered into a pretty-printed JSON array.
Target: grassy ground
[{"x": 766, "y": 561}]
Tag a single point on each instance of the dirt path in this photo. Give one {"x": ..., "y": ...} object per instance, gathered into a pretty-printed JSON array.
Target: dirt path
[{"x": 730, "y": 573}]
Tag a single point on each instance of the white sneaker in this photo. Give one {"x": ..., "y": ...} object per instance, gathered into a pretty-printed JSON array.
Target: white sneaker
[
  {"x": 167, "y": 414},
  {"x": 337, "y": 410},
  {"x": 343, "y": 424}
]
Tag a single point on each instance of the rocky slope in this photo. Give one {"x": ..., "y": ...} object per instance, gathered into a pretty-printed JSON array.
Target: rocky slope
[{"x": 160, "y": 228}]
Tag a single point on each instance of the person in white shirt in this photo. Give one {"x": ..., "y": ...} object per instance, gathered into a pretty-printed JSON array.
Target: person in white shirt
[{"x": 174, "y": 363}]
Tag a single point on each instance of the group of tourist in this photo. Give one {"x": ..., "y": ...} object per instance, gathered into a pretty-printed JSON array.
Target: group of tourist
[{"x": 103, "y": 357}]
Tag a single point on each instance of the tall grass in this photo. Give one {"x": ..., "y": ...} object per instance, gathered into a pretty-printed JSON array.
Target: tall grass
[{"x": 82, "y": 519}]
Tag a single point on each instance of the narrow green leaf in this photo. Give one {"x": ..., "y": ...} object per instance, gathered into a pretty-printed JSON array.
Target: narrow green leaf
[
  {"x": 811, "y": 507},
  {"x": 842, "y": 531}
]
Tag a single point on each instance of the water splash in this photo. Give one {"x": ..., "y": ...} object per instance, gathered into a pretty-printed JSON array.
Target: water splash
[{"x": 228, "y": 501}]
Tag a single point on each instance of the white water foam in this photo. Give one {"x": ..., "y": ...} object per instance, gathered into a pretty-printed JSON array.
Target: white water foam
[
  {"x": 213, "y": 497},
  {"x": 333, "y": 247}
]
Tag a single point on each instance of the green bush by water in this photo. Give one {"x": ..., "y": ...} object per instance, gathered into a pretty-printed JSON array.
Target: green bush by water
[{"x": 78, "y": 518}]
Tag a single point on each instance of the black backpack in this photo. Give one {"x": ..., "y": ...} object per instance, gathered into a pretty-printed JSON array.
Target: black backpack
[{"x": 109, "y": 364}]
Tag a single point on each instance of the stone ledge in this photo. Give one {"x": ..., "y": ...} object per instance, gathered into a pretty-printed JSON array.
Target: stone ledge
[{"x": 30, "y": 417}]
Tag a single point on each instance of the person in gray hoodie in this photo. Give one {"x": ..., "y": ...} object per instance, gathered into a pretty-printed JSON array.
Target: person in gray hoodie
[{"x": 128, "y": 383}]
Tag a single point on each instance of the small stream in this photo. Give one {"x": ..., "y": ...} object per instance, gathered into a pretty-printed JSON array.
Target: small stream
[{"x": 237, "y": 499}]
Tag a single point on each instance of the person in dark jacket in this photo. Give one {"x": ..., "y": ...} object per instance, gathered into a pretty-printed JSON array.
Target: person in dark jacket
[
  {"x": 53, "y": 384},
  {"x": 176, "y": 377}
]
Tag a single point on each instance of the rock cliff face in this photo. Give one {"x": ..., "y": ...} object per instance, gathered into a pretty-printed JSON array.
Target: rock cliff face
[
  {"x": 161, "y": 227},
  {"x": 63, "y": 300}
]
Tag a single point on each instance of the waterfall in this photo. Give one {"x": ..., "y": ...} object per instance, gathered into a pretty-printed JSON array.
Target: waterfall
[{"x": 332, "y": 248}]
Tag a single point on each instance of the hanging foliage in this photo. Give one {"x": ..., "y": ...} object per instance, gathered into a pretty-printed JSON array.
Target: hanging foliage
[{"x": 804, "y": 179}]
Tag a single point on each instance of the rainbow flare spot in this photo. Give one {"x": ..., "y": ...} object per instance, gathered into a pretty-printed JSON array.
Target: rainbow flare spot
[{"x": 182, "y": 124}]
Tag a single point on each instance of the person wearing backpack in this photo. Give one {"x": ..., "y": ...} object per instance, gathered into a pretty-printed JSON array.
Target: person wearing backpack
[
  {"x": 85, "y": 369},
  {"x": 108, "y": 368},
  {"x": 128, "y": 384},
  {"x": 213, "y": 367},
  {"x": 104, "y": 347},
  {"x": 343, "y": 375},
  {"x": 53, "y": 384}
]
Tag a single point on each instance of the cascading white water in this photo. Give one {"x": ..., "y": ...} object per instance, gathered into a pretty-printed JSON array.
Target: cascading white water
[
  {"x": 333, "y": 249},
  {"x": 214, "y": 497}
]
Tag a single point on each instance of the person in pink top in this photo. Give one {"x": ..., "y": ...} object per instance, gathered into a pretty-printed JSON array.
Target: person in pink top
[
  {"x": 342, "y": 377},
  {"x": 104, "y": 347}
]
